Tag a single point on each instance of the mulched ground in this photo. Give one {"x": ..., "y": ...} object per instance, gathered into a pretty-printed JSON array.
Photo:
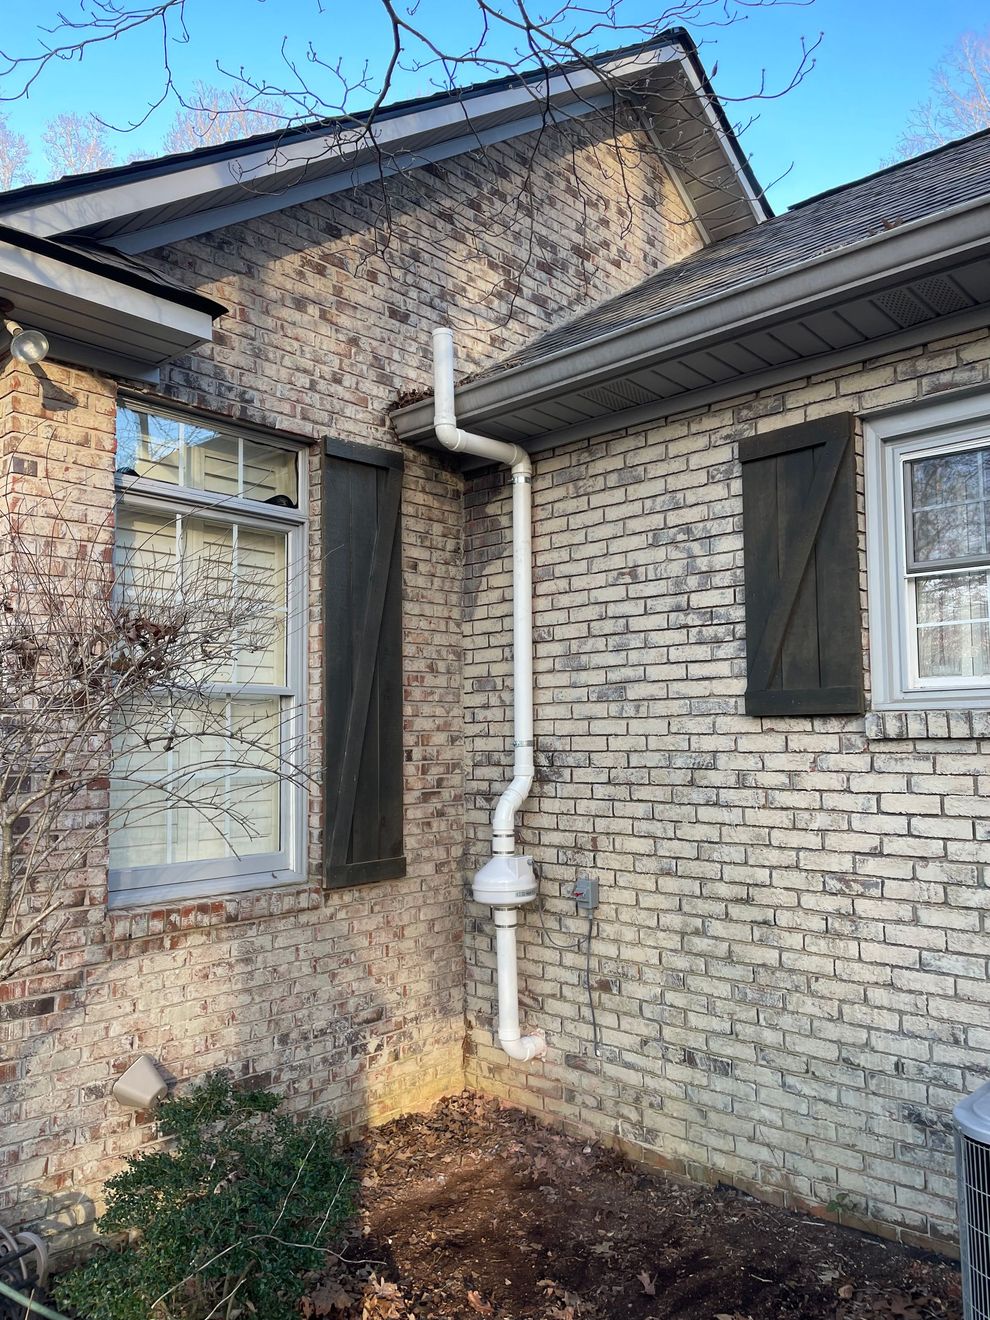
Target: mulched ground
[{"x": 477, "y": 1210}]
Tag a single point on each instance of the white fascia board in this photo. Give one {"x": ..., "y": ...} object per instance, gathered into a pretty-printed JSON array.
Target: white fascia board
[
  {"x": 756, "y": 203},
  {"x": 877, "y": 259},
  {"x": 61, "y": 282},
  {"x": 254, "y": 204},
  {"x": 66, "y": 215}
]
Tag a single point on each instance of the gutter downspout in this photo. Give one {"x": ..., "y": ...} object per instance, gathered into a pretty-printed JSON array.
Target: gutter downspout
[{"x": 507, "y": 881}]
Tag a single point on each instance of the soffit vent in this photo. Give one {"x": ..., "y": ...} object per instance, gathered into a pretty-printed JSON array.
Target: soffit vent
[
  {"x": 617, "y": 394},
  {"x": 973, "y": 1173},
  {"x": 904, "y": 307},
  {"x": 944, "y": 295}
]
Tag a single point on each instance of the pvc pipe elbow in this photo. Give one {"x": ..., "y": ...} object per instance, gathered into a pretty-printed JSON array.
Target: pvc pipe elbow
[
  {"x": 523, "y": 1048},
  {"x": 504, "y": 815},
  {"x": 449, "y": 434}
]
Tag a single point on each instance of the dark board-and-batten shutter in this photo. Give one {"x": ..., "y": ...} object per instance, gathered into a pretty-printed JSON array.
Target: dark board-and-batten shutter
[
  {"x": 362, "y": 639},
  {"x": 804, "y": 645}
]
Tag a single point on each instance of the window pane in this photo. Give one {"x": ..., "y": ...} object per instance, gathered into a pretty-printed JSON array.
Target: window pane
[
  {"x": 261, "y": 569},
  {"x": 269, "y": 472},
  {"x": 946, "y": 478},
  {"x": 148, "y": 446},
  {"x": 145, "y": 554},
  {"x": 189, "y": 453},
  {"x": 951, "y": 596},
  {"x": 198, "y": 785},
  {"x": 254, "y": 791},
  {"x": 954, "y": 532},
  {"x": 138, "y": 806},
  {"x": 212, "y": 463},
  {"x": 949, "y": 506},
  {"x": 956, "y": 650}
]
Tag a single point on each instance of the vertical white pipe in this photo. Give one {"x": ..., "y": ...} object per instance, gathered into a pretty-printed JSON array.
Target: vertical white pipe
[
  {"x": 450, "y": 435},
  {"x": 504, "y": 816},
  {"x": 517, "y": 1046},
  {"x": 507, "y": 891}
]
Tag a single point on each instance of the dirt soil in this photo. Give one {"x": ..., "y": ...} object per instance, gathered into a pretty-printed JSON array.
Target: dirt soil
[{"x": 477, "y": 1210}]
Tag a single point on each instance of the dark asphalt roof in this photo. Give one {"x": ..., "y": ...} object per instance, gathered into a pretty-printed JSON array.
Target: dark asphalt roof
[
  {"x": 84, "y": 255},
  {"x": 826, "y": 223},
  {"x": 286, "y": 134}
]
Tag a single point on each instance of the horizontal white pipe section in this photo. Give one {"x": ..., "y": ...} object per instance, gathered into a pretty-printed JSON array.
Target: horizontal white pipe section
[{"x": 517, "y": 1046}]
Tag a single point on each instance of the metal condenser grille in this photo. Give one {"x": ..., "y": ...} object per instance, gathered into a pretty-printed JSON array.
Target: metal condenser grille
[{"x": 973, "y": 1163}]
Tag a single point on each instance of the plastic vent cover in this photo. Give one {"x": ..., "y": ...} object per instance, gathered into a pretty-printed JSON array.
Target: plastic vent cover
[{"x": 972, "y": 1117}]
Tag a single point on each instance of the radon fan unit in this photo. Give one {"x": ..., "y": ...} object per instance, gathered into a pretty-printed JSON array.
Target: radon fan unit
[{"x": 972, "y": 1117}]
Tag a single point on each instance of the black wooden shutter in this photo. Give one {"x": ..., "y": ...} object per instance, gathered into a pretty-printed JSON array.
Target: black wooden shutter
[
  {"x": 362, "y": 640},
  {"x": 804, "y": 644}
]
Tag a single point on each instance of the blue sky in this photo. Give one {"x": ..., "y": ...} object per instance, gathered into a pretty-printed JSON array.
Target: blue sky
[{"x": 873, "y": 66}]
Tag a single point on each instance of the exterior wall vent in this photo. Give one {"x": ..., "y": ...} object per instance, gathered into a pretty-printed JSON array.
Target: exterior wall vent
[{"x": 972, "y": 1117}]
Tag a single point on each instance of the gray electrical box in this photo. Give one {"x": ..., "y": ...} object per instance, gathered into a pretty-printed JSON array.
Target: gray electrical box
[{"x": 585, "y": 893}]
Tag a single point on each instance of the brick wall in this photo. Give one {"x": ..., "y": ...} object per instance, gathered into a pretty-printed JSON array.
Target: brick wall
[
  {"x": 350, "y": 1003},
  {"x": 789, "y": 970}
]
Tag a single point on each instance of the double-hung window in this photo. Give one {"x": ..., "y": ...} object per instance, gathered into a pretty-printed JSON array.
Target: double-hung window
[
  {"x": 928, "y": 505},
  {"x": 206, "y": 797}
]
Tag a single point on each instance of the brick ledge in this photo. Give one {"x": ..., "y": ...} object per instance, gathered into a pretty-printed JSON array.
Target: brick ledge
[{"x": 908, "y": 725}]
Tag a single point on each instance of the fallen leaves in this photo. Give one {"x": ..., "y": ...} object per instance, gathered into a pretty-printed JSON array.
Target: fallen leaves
[
  {"x": 648, "y": 1282},
  {"x": 476, "y": 1212}
]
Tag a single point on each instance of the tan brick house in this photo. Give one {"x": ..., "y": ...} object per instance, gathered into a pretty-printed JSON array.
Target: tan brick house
[{"x": 759, "y": 454}]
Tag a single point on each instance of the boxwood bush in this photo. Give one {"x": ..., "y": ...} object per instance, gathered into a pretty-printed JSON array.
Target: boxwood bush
[{"x": 223, "y": 1221}]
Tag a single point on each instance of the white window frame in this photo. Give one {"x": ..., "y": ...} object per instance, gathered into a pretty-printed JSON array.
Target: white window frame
[
  {"x": 139, "y": 886},
  {"x": 891, "y": 442}
]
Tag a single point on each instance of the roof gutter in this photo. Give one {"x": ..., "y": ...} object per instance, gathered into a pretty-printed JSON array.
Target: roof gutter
[{"x": 929, "y": 243}]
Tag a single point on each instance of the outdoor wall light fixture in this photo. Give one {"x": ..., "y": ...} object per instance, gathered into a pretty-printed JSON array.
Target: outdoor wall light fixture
[
  {"x": 141, "y": 1086},
  {"x": 27, "y": 346}
]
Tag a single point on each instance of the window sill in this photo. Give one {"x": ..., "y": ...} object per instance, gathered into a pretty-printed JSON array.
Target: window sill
[
  {"x": 909, "y": 725},
  {"x": 170, "y": 917}
]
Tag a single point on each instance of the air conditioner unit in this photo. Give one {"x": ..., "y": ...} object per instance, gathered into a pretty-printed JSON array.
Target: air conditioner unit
[{"x": 972, "y": 1117}]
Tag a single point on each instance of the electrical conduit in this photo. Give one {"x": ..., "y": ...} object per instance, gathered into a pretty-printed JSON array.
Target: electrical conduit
[{"x": 507, "y": 881}]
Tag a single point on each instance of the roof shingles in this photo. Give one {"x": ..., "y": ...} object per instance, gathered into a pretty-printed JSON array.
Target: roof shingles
[{"x": 925, "y": 186}]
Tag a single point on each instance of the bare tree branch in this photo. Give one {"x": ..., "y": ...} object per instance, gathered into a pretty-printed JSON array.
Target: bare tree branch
[
  {"x": 15, "y": 156},
  {"x": 76, "y": 144},
  {"x": 960, "y": 99},
  {"x": 100, "y": 652}
]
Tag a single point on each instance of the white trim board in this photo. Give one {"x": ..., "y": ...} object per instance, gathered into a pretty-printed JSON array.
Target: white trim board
[
  {"x": 338, "y": 149},
  {"x": 959, "y": 422}
]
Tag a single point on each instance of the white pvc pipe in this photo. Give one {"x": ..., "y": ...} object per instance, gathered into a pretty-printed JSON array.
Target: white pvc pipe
[
  {"x": 516, "y": 1046},
  {"x": 450, "y": 435}
]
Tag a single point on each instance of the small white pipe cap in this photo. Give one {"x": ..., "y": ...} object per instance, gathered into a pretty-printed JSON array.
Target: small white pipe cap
[{"x": 141, "y": 1086}]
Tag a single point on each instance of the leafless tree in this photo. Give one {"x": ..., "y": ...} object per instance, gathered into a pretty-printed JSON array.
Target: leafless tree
[
  {"x": 101, "y": 650},
  {"x": 960, "y": 99},
  {"x": 213, "y": 115},
  {"x": 313, "y": 80},
  {"x": 15, "y": 155},
  {"x": 76, "y": 144}
]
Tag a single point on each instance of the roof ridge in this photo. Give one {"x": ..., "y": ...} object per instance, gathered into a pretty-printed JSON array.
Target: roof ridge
[{"x": 890, "y": 169}]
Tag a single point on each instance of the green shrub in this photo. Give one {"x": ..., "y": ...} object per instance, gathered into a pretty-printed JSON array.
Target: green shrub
[{"x": 224, "y": 1222}]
